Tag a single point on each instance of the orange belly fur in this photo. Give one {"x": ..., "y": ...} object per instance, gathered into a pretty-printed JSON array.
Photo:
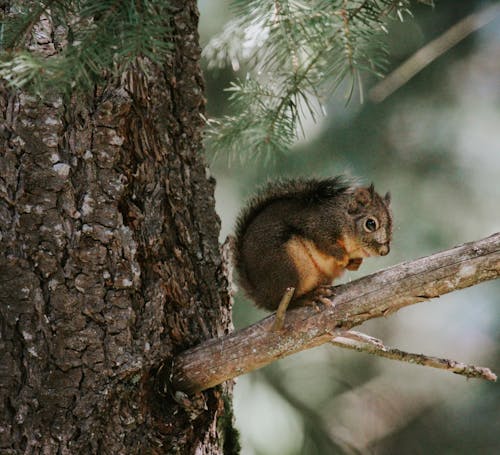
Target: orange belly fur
[{"x": 315, "y": 268}]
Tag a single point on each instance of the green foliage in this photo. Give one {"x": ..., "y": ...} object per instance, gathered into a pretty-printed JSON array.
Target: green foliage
[
  {"x": 296, "y": 53},
  {"x": 92, "y": 39}
]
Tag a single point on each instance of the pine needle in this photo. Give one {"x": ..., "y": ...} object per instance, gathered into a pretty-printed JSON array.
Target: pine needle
[{"x": 296, "y": 54}]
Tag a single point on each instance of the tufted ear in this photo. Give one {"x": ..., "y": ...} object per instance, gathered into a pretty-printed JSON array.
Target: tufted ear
[
  {"x": 360, "y": 198},
  {"x": 387, "y": 198}
]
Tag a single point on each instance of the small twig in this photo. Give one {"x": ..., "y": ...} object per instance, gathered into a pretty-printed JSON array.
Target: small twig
[
  {"x": 280, "y": 313},
  {"x": 427, "y": 54},
  {"x": 365, "y": 343}
]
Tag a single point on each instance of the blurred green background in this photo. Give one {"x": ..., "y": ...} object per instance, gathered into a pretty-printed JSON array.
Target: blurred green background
[{"x": 435, "y": 144}]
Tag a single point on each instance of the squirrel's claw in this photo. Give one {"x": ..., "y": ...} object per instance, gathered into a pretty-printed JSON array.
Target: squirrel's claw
[{"x": 322, "y": 294}]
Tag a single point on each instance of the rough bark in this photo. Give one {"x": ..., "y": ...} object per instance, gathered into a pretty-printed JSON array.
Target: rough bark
[
  {"x": 377, "y": 295},
  {"x": 109, "y": 260}
]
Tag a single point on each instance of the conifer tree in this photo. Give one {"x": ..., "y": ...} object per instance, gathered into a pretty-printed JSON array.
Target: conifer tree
[
  {"x": 295, "y": 55},
  {"x": 109, "y": 258},
  {"x": 109, "y": 255}
]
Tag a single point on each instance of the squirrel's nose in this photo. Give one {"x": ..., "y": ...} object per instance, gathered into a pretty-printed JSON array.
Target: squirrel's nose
[{"x": 384, "y": 249}]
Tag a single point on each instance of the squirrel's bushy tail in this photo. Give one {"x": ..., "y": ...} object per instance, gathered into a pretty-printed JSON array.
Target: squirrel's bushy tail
[{"x": 307, "y": 190}]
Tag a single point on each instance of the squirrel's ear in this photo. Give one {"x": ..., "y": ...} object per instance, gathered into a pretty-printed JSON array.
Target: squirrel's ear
[
  {"x": 360, "y": 198},
  {"x": 387, "y": 198}
]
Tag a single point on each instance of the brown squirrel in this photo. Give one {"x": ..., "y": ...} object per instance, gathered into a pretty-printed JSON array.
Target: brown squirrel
[{"x": 304, "y": 234}]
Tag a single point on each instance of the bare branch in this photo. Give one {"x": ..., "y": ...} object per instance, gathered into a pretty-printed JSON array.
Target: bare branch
[
  {"x": 380, "y": 294},
  {"x": 364, "y": 343},
  {"x": 427, "y": 54}
]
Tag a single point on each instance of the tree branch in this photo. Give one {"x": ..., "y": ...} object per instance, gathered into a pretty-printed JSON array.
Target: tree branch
[
  {"x": 427, "y": 54},
  {"x": 365, "y": 343},
  {"x": 376, "y": 295}
]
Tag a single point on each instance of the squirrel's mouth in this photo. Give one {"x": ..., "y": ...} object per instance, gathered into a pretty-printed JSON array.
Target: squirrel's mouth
[
  {"x": 358, "y": 249},
  {"x": 364, "y": 252}
]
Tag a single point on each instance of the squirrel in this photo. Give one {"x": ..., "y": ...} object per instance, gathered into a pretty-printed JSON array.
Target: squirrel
[{"x": 303, "y": 233}]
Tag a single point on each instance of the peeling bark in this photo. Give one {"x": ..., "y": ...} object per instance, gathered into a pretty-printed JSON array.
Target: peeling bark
[{"x": 109, "y": 260}]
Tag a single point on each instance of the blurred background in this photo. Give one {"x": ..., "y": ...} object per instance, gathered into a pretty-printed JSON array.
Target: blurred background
[{"x": 435, "y": 144}]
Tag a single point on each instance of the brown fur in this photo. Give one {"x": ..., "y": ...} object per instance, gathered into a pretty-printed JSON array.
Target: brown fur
[
  {"x": 314, "y": 267},
  {"x": 305, "y": 233}
]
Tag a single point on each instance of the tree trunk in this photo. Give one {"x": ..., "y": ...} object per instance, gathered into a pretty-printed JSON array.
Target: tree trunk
[{"x": 109, "y": 261}]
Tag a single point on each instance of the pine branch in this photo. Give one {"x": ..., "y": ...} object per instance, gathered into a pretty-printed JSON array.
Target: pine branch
[
  {"x": 298, "y": 53},
  {"x": 93, "y": 39},
  {"x": 380, "y": 294}
]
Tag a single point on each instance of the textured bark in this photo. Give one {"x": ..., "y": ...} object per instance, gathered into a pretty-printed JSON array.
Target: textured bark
[
  {"x": 377, "y": 295},
  {"x": 109, "y": 261}
]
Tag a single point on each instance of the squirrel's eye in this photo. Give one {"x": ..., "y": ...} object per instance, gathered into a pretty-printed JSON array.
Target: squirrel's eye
[{"x": 371, "y": 225}]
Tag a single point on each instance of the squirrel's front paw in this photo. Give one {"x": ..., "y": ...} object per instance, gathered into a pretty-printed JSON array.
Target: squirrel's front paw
[{"x": 354, "y": 264}]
